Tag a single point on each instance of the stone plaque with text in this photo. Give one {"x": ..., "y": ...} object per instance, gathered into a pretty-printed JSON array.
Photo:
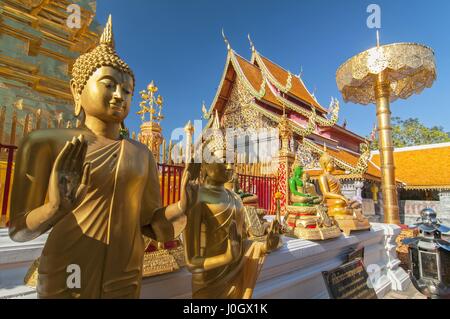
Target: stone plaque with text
[{"x": 349, "y": 281}]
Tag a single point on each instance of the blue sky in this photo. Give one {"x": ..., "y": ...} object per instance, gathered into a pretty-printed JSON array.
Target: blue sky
[{"x": 178, "y": 44}]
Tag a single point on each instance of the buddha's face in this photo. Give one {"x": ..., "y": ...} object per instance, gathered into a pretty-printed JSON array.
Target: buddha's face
[
  {"x": 298, "y": 172},
  {"x": 329, "y": 166},
  {"x": 218, "y": 173},
  {"x": 305, "y": 177},
  {"x": 107, "y": 95}
]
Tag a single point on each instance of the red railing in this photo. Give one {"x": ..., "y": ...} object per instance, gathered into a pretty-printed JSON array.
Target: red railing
[
  {"x": 263, "y": 187},
  {"x": 6, "y": 152},
  {"x": 170, "y": 183}
]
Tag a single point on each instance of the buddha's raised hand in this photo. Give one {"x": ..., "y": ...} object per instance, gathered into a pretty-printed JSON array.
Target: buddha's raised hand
[
  {"x": 70, "y": 177},
  {"x": 189, "y": 186}
]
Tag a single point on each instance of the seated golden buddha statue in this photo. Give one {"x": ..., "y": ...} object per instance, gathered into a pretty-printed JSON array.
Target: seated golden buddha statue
[
  {"x": 223, "y": 262},
  {"x": 347, "y": 213},
  {"x": 310, "y": 188},
  {"x": 93, "y": 188},
  {"x": 247, "y": 198}
]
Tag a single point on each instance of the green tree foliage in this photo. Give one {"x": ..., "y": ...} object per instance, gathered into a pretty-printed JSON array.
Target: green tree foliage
[{"x": 411, "y": 132}]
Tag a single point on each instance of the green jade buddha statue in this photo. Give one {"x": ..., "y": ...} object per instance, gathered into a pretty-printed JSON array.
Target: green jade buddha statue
[{"x": 298, "y": 191}]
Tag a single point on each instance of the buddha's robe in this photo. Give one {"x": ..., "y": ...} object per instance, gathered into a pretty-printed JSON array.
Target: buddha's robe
[
  {"x": 232, "y": 281},
  {"x": 335, "y": 206},
  {"x": 103, "y": 234}
]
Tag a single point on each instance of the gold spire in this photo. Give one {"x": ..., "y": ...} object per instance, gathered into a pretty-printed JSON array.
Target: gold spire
[{"x": 107, "y": 37}]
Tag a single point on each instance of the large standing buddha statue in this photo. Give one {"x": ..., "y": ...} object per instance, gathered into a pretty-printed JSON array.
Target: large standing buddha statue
[{"x": 93, "y": 188}]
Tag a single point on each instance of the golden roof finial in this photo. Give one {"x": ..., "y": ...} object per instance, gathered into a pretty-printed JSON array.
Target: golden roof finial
[
  {"x": 252, "y": 45},
  {"x": 107, "y": 37},
  {"x": 226, "y": 40}
]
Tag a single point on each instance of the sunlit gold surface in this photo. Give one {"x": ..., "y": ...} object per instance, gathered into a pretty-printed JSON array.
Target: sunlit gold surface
[
  {"x": 381, "y": 75},
  {"x": 409, "y": 69},
  {"x": 95, "y": 191},
  {"x": 223, "y": 262},
  {"x": 347, "y": 213}
]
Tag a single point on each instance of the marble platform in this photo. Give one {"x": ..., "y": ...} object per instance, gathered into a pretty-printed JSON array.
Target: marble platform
[{"x": 294, "y": 271}]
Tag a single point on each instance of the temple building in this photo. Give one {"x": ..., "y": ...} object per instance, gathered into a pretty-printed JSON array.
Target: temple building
[
  {"x": 424, "y": 174},
  {"x": 38, "y": 49},
  {"x": 258, "y": 93}
]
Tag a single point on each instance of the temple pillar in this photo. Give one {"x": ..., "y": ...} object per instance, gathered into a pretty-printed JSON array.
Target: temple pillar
[{"x": 285, "y": 161}]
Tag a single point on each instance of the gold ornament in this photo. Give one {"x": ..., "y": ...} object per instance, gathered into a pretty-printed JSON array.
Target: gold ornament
[{"x": 103, "y": 55}]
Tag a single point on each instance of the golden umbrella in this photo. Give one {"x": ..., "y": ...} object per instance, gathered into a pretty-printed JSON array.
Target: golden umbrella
[{"x": 381, "y": 75}]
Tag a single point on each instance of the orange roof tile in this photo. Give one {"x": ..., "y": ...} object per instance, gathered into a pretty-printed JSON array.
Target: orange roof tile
[
  {"x": 298, "y": 89},
  {"x": 424, "y": 167},
  {"x": 254, "y": 76}
]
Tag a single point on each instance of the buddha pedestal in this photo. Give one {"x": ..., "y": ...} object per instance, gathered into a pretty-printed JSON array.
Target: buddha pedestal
[{"x": 161, "y": 258}]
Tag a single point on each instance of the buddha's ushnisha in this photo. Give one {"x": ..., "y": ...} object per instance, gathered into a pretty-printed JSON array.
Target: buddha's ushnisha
[{"x": 95, "y": 190}]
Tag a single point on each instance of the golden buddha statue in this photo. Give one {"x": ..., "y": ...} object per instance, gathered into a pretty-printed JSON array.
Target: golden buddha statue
[
  {"x": 94, "y": 189},
  {"x": 247, "y": 198},
  {"x": 310, "y": 189},
  {"x": 347, "y": 213},
  {"x": 223, "y": 262}
]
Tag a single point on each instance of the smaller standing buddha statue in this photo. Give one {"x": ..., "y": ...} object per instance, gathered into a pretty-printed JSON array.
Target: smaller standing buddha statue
[
  {"x": 305, "y": 218},
  {"x": 224, "y": 263},
  {"x": 347, "y": 213}
]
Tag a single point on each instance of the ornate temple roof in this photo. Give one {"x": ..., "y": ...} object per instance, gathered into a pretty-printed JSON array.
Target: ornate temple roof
[
  {"x": 424, "y": 167},
  {"x": 273, "y": 90}
]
